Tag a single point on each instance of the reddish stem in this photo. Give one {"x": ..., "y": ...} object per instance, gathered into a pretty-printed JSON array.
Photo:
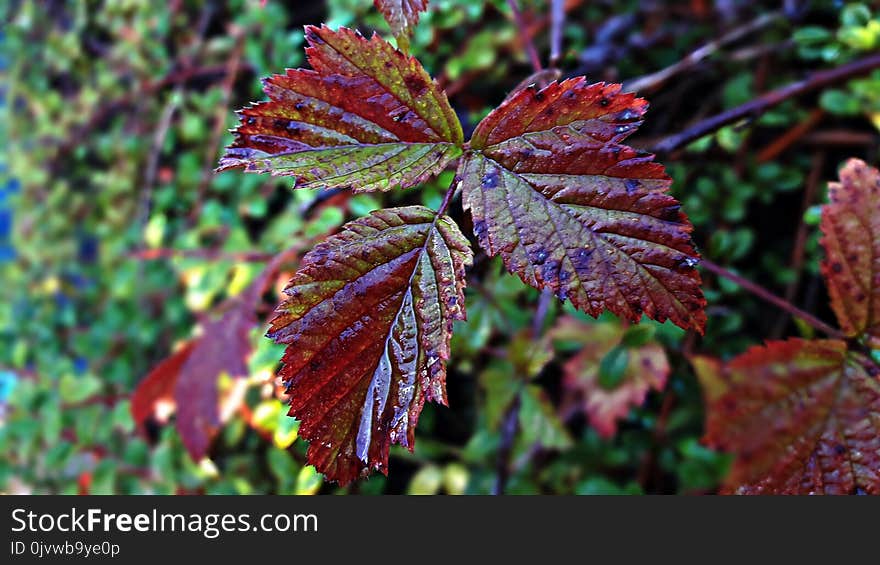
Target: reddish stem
[
  {"x": 527, "y": 39},
  {"x": 763, "y": 103},
  {"x": 768, "y": 296}
]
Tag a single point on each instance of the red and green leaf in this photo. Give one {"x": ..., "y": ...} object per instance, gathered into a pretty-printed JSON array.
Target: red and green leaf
[
  {"x": 367, "y": 117},
  {"x": 402, "y": 16},
  {"x": 800, "y": 416},
  {"x": 367, "y": 321},
  {"x": 851, "y": 237},
  {"x": 646, "y": 368},
  {"x": 552, "y": 190}
]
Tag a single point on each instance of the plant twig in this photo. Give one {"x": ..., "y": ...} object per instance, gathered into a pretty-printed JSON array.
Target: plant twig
[
  {"x": 653, "y": 80},
  {"x": 791, "y": 136},
  {"x": 557, "y": 23},
  {"x": 800, "y": 241},
  {"x": 208, "y": 254},
  {"x": 232, "y": 71},
  {"x": 527, "y": 39},
  {"x": 758, "y": 106},
  {"x": 768, "y": 296},
  {"x": 509, "y": 428},
  {"x": 510, "y": 422}
]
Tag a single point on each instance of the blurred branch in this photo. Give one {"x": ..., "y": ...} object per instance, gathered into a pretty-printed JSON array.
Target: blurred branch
[
  {"x": 653, "y": 80},
  {"x": 758, "y": 106},
  {"x": 138, "y": 94},
  {"x": 557, "y": 24},
  {"x": 208, "y": 254},
  {"x": 509, "y": 428},
  {"x": 768, "y": 296},
  {"x": 220, "y": 116},
  {"x": 796, "y": 263},
  {"x": 840, "y": 137},
  {"x": 510, "y": 421},
  {"x": 526, "y": 37},
  {"x": 790, "y": 137}
]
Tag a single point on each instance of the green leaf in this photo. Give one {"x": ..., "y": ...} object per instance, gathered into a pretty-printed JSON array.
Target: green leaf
[
  {"x": 613, "y": 367},
  {"x": 538, "y": 421},
  {"x": 637, "y": 336},
  {"x": 308, "y": 481},
  {"x": 427, "y": 480}
]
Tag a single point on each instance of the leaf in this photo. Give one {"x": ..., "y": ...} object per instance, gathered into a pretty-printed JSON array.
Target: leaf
[
  {"x": 402, "y": 16},
  {"x": 367, "y": 117},
  {"x": 801, "y": 417},
  {"x": 188, "y": 379},
  {"x": 539, "y": 422},
  {"x": 612, "y": 367},
  {"x": 646, "y": 368},
  {"x": 851, "y": 237},
  {"x": 158, "y": 386},
  {"x": 223, "y": 348},
  {"x": 367, "y": 322},
  {"x": 552, "y": 190}
]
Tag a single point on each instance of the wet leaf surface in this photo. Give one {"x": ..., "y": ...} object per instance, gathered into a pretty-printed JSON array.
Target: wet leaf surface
[
  {"x": 367, "y": 117},
  {"x": 367, "y": 322},
  {"x": 553, "y": 191},
  {"x": 802, "y": 417}
]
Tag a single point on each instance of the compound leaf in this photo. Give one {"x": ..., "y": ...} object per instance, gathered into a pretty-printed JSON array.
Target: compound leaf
[
  {"x": 402, "y": 16},
  {"x": 367, "y": 117},
  {"x": 367, "y": 321},
  {"x": 552, "y": 190},
  {"x": 801, "y": 417},
  {"x": 851, "y": 237}
]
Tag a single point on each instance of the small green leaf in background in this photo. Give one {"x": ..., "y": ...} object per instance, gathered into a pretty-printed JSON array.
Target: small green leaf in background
[{"x": 612, "y": 368}]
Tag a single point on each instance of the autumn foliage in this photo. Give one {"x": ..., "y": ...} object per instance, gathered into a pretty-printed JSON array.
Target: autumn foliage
[
  {"x": 803, "y": 416},
  {"x": 550, "y": 187}
]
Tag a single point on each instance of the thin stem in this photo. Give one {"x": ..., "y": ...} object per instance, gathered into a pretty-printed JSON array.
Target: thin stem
[
  {"x": 652, "y": 80},
  {"x": 447, "y": 198},
  {"x": 796, "y": 262},
  {"x": 557, "y": 22},
  {"x": 768, "y": 296},
  {"x": 509, "y": 428},
  {"x": 524, "y": 33},
  {"x": 510, "y": 422},
  {"x": 758, "y": 106}
]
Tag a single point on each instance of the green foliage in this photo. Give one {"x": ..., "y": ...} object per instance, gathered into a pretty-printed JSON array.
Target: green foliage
[{"x": 112, "y": 252}]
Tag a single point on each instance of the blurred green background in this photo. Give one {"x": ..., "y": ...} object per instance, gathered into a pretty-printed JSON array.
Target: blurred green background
[{"x": 117, "y": 239}]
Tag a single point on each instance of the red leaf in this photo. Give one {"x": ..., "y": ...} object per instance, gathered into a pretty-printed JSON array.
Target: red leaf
[
  {"x": 851, "y": 228},
  {"x": 367, "y": 323},
  {"x": 647, "y": 368},
  {"x": 367, "y": 116},
  {"x": 158, "y": 385},
  {"x": 223, "y": 348},
  {"x": 552, "y": 190},
  {"x": 402, "y": 16},
  {"x": 801, "y": 416},
  {"x": 189, "y": 379}
]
